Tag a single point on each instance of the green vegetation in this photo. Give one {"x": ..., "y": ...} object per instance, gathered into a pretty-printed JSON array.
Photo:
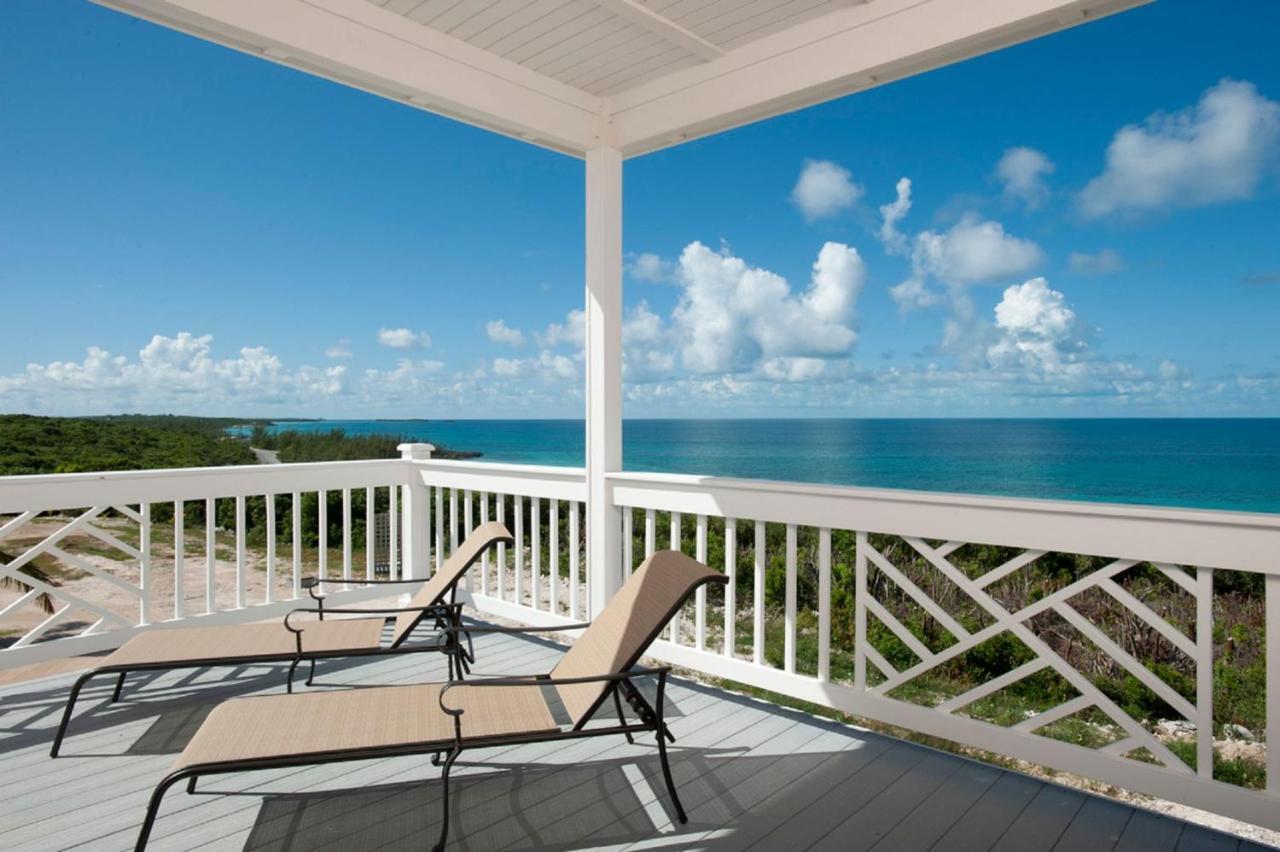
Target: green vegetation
[
  {"x": 70, "y": 445},
  {"x": 337, "y": 445}
]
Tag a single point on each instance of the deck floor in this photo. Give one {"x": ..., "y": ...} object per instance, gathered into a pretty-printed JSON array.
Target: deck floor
[{"x": 752, "y": 776}]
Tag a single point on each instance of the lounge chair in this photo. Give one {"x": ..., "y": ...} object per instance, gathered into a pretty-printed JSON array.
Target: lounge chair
[
  {"x": 283, "y": 641},
  {"x": 273, "y": 731}
]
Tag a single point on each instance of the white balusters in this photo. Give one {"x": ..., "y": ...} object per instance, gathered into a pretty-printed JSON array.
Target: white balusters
[
  {"x": 1273, "y": 681},
  {"x": 1204, "y": 674},
  {"x": 650, "y": 532},
  {"x": 674, "y": 542},
  {"x": 241, "y": 579},
  {"x": 700, "y": 606},
  {"x": 296, "y": 552},
  {"x": 518, "y": 580},
  {"x": 322, "y": 534},
  {"x": 179, "y": 562},
  {"x": 144, "y": 564},
  {"x": 789, "y": 642},
  {"x": 573, "y": 560},
  {"x": 346, "y": 538},
  {"x": 210, "y": 555},
  {"x": 860, "y": 613},
  {"x": 824, "y": 604},
  {"x": 393, "y": 523},
  {"x": 731, "y": 588},
  {"x": 502, "y": 549},
  {"x": 757, "y": 605},
  {"x": 439, "y": 548},
  {"x": 271, "y": 547},
  {"x": 453, "y": 521},
  {"x": 370, "y": 533},
  {"x": 554, "y": 602},
  {"x": 535, "y": 548},
  {"x": 468, "y": 525},
  {"x": 628, "y": 546},
  {"x": 484, "y": 557}
]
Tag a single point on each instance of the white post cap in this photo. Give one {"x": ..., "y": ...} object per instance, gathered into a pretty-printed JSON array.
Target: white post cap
[{"x": 416, "y": 452}]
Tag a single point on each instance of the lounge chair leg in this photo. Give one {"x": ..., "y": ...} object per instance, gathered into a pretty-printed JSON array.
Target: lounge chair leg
[
  {"x": 293, "y": 667},
  {"x": 115, "y": 696},
  {"x": 66, "y": 714},
  {"x": 444, "y": 813},
  {"x": 191, "y": 784},
  {"x": 154, "y": 806},
  {"x": 312, "y": 675},
  {"x": 662, "y": 753},
  {"x": 622, "y": 719}
]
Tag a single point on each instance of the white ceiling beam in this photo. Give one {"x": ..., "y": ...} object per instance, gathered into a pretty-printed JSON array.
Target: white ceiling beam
[
  {"x": 358, "y": 44},
  {"x": 662, "y": 27},
  {"x": 828, "y": 57}
]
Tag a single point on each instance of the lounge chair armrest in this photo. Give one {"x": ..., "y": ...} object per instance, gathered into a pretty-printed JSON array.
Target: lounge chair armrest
[
  {"x": 453, "y": 610},
  {"x": 660, "y": 672},
  {"x": 444, "y": 636}
]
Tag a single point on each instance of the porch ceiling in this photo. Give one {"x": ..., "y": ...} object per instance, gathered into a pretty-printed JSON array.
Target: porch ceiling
[{"x": 637, "y": 75}]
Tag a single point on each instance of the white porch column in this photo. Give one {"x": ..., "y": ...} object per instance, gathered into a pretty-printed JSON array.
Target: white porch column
[
  {"x": 604, "y": 371},
  {"x": 415, "y": 529}
]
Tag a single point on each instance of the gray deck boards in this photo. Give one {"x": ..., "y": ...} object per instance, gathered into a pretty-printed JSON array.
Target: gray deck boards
[{"x": 751, "y": 775}]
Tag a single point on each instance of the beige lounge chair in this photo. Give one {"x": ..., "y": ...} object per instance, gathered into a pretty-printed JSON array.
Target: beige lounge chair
[
  {"x": 281, "y": 641},
  {"x": 273, "y": 731}
]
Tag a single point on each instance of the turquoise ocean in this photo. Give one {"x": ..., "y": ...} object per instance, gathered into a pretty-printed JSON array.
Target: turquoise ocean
[{"x": 1211, "y": 463}]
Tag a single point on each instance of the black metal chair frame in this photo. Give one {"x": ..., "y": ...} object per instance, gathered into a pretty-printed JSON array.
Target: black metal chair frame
[
  {"x": 650, "y": 719},
  {"x": 446, "y": 616}
]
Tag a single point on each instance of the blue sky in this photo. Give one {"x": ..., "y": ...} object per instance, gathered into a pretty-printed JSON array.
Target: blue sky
[{"x": 1091, "y": 231}]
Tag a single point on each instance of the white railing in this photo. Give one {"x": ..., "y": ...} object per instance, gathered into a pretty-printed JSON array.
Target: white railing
[
  {"x": 871, "y": 602},
  {"x": 93, "y": 558}
]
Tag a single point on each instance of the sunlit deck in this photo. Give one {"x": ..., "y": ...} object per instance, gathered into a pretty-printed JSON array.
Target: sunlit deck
[{"x": 752, "y": 775}]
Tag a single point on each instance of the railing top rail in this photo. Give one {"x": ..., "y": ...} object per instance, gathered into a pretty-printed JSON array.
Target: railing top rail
[
  {"x": 559, "y": 483},
  {"x": 1212, "y": 539},
  {"x": 64, "y": 490}
]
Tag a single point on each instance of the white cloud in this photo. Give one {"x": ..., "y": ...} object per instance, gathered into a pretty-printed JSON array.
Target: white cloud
[
  {"x": 500, "y": 332},
  {"x": 895, "y": 242},
  {"x": 169, "y": 372},
  {"x": 1036, "y": 329},
  {"x": 339, "y": 350},
  {"x": 650, "y": 267},
  {"x": 732, "y": 317},
  {"x": 1105, "y": 262},
  {"x": 548, "y": 366},
  {"x": 572, "y": 332},
  {"x": 824, "y": 189},
  {"x": 914, "y": 293},
  {"x": 974, "y": 252},
  {"x": 1212, "y": 152},
  {"x": 1022, "y": 172},
  {"x": 403, "y": 338}
]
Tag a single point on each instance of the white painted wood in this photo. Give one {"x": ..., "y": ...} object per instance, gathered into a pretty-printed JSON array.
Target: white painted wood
[
  {"x": 666, "y": 29},
  {"x": 1204, "y": 673},
  {"x": 552, "y": 483},
  {"x": 757, "y": 606},
  {"x": 1272, "y": 634},
  {"x": 554, "y": 603},
  {"x": 789, "y": 640},
  {"x": 271, "y": 533},
  {"x": 322, "y": 534},
  {"x": 518, "y": 557},
  {"x": 628, "y": 533},
  {"x": 393, "y": 520},
  {"x": 241, "y": 567},
  {"x": 604, "y": 370},
  {"x": 574, "y": 533},
  {"x": 1238, "y": 541},
  {"x": 453, "y": 522},
  {"x": 830, "y": 57},
  {"x": 347, "y": 553},
  {"x": 370, "y": 532},
  {"x": 144, "y": 565},
  {"x": 674, "y": 543},
  {"x": 296, "y": 547},
  {"x": 535, "y": 551},
  {"x": 484, "y": 557},
  {"x": 650, "y": 532},
  {"x": 179, "y": 560},
  {"x": 700, "y": 597},
  {"x": 468, "y": 521},
  {"x": 731, "y": 588},
  {"x": 440, "y": 536},
  {"x": 824, "y": 604},
  {"x": 861, "y": 595},
  {"x": 502, "y": 549}
]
